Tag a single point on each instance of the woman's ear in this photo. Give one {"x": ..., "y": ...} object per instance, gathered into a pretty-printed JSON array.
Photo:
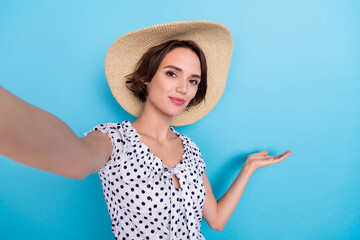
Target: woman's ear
[{"x": 142, "y": 79}]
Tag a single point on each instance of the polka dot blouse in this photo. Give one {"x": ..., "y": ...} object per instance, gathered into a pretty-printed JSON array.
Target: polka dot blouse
[{"x": 142, "y": 199}]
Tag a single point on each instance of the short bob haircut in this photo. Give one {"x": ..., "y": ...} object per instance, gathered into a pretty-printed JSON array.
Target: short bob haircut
[{"x": 150, "y": 62}]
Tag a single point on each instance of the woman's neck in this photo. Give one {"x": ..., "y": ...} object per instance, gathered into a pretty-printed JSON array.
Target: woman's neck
[{"x": 153, "y": 123}]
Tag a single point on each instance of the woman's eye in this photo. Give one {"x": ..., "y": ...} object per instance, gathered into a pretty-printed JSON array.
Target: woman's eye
[
  {"x": 194, "y": 82},
  {"x": 171, "y": 74}
]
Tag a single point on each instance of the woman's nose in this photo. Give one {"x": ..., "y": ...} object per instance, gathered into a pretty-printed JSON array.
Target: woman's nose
[{"x": 182, "y": 86}]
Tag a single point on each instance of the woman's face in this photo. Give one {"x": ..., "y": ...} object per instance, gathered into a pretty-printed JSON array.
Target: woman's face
[{"x": 175, "y": 82}]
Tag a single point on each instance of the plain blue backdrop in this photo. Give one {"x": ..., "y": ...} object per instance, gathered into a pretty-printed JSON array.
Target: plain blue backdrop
[{"x": 293, "y": 84}]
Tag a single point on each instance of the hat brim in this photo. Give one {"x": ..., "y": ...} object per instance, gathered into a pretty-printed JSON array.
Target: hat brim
[{"x": 213, "y": 38}]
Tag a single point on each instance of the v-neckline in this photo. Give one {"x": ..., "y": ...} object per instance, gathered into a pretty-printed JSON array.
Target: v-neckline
[{"x": 153, "y": 154}]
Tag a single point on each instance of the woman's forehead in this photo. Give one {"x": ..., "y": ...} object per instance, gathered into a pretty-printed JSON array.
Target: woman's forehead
[{"x": 182, "y": 58}]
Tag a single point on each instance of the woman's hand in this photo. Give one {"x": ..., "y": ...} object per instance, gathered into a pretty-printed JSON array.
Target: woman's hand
[{"x": 261, "y": 159}]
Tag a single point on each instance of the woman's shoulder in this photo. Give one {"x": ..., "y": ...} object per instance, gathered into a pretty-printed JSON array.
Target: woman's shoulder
[
  {"x": 188, "y": 142},
  {"x": 191, "y": 148},
  {"x": 121, "y": 138},
  {"x": 193, "y": 153},
  {"x": 111, "y": 128},
  {"x": 120, "y": 134}
]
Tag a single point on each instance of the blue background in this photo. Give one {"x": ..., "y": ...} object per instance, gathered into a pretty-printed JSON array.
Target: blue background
[{"x": 293, "y": 85}]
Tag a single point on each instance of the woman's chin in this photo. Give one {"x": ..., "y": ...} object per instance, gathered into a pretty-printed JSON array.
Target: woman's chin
[{"x": 175, "y": 113}]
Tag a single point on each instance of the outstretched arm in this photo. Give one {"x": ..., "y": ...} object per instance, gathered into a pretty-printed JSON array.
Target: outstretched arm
[
  {"x": 217, "y": 213},
  {"x": 36, "y": 138}
]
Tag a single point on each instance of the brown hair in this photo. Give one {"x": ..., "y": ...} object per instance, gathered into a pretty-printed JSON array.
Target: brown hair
[{"x": 150, "y": 61}]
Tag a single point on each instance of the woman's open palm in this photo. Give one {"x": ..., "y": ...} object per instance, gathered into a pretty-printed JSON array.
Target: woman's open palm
[{"x": 261, "y": 159}]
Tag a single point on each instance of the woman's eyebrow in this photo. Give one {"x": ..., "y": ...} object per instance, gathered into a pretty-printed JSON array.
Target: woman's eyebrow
[{"x": 180, "y": 70}]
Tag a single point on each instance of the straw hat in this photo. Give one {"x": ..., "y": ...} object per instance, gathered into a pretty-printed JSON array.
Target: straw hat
[{"x": 214, "y": 39}]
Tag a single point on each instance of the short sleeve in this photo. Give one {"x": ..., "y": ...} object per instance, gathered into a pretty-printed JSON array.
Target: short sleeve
[
  {"x": 115, "y": 133},
  {"x": 200, "y": 163}
]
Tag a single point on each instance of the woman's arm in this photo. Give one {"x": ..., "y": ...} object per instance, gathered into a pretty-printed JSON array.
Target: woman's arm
[
  {"x": 217, "y": 213},
  {"x": 36, "y": 138}
]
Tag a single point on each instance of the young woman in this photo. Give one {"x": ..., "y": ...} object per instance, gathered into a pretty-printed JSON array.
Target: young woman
[{"x": 153, "y": 177}]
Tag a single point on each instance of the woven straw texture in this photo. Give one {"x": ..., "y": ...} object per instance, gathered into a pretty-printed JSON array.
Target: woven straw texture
[{"x": 213, "y": 38}]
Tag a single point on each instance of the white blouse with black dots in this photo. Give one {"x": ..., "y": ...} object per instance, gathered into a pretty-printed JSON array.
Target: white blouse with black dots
[{"x": 142, "y": 199}]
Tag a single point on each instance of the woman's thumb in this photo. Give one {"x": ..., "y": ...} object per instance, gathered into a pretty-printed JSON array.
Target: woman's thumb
[{"x": 263, "y": 153}]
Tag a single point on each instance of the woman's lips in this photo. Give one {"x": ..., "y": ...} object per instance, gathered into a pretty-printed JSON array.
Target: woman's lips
[{"x": 177, "y": 101}]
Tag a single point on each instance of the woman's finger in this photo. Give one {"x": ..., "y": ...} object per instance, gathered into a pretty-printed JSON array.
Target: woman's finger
[
  {"x": 283, "y": 155},
  {"x": 264, "y": 157}
]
